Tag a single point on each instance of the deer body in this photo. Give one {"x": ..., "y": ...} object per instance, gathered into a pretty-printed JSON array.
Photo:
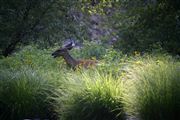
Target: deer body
[
  {"x": 70, "y": 61},
  {"x": 86, "y": 63}
]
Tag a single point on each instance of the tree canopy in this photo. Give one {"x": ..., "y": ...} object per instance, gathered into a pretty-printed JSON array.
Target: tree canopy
[{"x": 140, "y": 25}]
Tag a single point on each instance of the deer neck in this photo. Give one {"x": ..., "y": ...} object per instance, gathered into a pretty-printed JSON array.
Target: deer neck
[{"x": 70, "y": 60}]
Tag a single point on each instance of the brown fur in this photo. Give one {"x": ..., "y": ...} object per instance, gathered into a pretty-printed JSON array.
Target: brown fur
[
  {"x": 86, "y": 63},
  {"x": 71, "y": 61}
]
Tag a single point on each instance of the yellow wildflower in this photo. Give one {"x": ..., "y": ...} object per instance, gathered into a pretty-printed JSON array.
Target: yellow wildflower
[{"x": 136, "y": 53}]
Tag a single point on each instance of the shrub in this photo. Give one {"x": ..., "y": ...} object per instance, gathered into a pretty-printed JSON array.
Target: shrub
[
  {"x": 147, "y": 25},
  {"x": 153, "y": 90},
  {"x": 91, "y": 96},
  {"x": 90, "y": 50},
  {"x": 24, "y": 94},
  {"x": 32, "y": 57}
]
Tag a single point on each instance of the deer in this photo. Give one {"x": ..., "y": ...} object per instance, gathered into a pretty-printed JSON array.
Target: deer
[{"x": 70, "y": 61}]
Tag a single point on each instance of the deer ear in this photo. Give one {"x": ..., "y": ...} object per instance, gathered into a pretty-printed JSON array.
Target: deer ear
[
  {"x": 70, "y": 45},
  {"x": 69, "y": 48}
]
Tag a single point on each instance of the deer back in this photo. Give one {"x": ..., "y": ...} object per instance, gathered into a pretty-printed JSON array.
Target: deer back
[{"x": 86, "y": 63}]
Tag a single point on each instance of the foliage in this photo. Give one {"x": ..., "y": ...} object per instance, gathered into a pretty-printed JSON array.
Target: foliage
[
  {"x": 143, "y": 26},
  {"x": 34, "y": 85},
  {"x": 142, "y": 86},
  {"x": 90, "y": 50},
  {"x": 39, "y": 21},
  {"x": 24, "y": 94},
  {"x": 152, "y": 90},
  {"x": 93, "y": 95},
  {"x": 28, "y": 57},
  {"x": 97, "y": 6},
  {"x": 139, "y": 25}
]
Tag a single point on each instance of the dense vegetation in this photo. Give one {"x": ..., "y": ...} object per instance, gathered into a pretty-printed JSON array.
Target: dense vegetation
[{"x": 136, "y": 43}]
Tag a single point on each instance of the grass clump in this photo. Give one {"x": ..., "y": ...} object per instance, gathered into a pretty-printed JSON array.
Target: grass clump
[
  {"x": 96, "y": 97},
  {"x": 24, "y": 94},
  {"x": 153, "y": 90}
]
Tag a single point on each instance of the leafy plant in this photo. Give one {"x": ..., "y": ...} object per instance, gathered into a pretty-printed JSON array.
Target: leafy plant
[
  {"x": 144, "y": 25},
  {"x": 90, "y": 50}
]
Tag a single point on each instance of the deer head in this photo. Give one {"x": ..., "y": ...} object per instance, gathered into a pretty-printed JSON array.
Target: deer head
[{"x": 63, "y": 51}]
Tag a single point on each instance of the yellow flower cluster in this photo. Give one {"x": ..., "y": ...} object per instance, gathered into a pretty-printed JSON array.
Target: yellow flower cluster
[
  {"x": 138, "y": 62},
  {"x": 136, "y": 53}
]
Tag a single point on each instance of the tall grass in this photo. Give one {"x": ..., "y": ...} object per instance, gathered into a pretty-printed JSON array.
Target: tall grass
[
  {"x": 24, "y": 94},
  {"x": 91, "y": 96},
  {"x": 153, "y": 90},
  {"x": 34, "y": 85}
]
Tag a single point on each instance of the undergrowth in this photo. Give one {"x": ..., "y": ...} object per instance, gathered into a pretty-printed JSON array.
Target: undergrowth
[
  {"x": 35, "y": 85},
  {"x": 24, "y": 94},
  {"x": 152, "y": 91},
  {"x": 91, "y": 96}
]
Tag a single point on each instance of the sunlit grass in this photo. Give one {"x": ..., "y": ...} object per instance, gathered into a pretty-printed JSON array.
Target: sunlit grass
[
  {"x": 91, "y": 96},
  {"x": 35, "y": 85},
  {"x": 152, "y": 91},
  {"x": 24, "y": 94}
]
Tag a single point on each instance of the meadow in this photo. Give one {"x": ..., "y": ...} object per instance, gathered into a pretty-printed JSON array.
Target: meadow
[{"x": 34, "y": 85}]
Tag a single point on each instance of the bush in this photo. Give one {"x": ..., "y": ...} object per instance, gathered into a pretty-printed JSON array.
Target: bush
[
  {"x": 91, "y": 96},
  {"x": 147, "y": 25},
  {"x": 90, "y": 50},
  {"x": 32, "y": 57},
  {"x": 153, "y": 90},
  {"x": 24, "y": 94}
]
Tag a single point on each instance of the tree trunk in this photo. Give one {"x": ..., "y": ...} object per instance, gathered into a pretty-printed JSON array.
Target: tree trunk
[
  {"x": 11, "y": 47},
  {"x": 18, "y": 36}
]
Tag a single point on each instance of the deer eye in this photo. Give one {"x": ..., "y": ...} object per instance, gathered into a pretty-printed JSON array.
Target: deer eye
[{"x": 58, "y": 51}]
